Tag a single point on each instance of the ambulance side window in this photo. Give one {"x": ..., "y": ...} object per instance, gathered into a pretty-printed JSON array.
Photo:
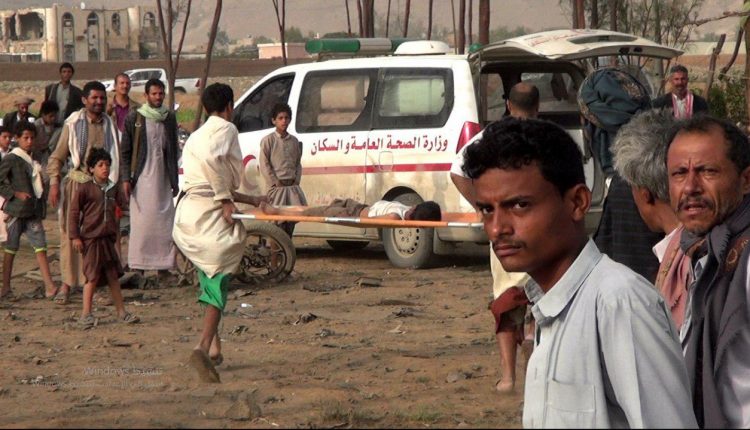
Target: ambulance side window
[
  {"x": 254, "y": 113},
  {"x": 336, "y": 101},
  {"x": 414, "y": 98}
]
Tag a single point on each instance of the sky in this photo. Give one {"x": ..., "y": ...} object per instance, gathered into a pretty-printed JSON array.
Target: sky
[{"x": 243, "y": 18}]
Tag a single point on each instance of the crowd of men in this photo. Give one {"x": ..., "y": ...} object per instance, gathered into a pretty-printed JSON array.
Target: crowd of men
[
  {"x": 615, "y": 344},
  {"x": 142, "y": 143}
]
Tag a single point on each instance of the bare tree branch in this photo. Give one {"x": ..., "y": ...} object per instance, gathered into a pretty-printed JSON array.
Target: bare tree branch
[
  {"x": 348, "y": 19},
  {"x": 281, "y": 21},
  {"x": 699, "y": 22},
  {"x": 712, "y": 65},
  {"x": 209, "y": 54},
  {"x": 388, "y": 18},
  {"x": 166, "y": 36},
  {"x": 429, "y": 19},
  {"x": 182, "y": 36},
  {"x": 460, "y": 40},
  {"x": 724, "y": 70},
  {"x": 407, "y": 9}
]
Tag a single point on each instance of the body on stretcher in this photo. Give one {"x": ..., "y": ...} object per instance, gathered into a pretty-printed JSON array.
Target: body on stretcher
[
  {"x": 449, "y": 219},
  {"x": 270, "y": 255}
]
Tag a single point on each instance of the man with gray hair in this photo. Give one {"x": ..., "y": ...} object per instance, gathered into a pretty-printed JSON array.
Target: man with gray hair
[
  {"x": 640, "y": 153},
  {"x": 680, "y": 99}
]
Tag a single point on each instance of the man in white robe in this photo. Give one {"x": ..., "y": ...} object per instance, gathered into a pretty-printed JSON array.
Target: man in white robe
[{"x": 204, "y": 229}]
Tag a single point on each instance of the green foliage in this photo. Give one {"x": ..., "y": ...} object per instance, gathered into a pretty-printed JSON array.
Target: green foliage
[
  {"x": 709, "y": 37},
  {"x": 263, "y": 39},
  {"x": 717, "y": 105},
  {"x": 185, "y": 116},
  {"x": 143, "y": 51},
  {"x": 294, "y": 34},
  {"x": 502, "y": 33},
  {"x": 247, "y": 51},
  {"x": 639, "y": 17},
  {"x": 337, "y": 35},
  {"x": 222, "y": 39},
  {"x": 728, "y": 99}
]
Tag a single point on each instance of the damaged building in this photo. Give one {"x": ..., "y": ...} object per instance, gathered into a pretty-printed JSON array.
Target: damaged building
[{"x": 73, "y": 34}]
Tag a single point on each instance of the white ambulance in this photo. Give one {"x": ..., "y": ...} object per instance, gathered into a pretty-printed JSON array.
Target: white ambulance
[{"x": 389, "y": 126}]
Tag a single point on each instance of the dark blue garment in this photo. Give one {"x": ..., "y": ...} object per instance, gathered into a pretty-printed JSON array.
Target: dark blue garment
[{"x": 608, "y": 99}]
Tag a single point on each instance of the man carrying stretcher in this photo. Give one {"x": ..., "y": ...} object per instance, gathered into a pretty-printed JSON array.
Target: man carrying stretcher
[{"x": 382, "y": 209}]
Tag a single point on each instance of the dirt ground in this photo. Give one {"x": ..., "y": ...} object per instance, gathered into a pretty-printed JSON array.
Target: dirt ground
[{"x": 416, "y": 352}]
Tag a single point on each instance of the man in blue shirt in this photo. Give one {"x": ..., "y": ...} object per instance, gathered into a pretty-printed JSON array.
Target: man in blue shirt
[{"x": 606, "y": 352}]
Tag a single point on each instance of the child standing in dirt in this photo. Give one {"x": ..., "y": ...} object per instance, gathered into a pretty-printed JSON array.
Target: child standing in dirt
[
  {"x": 93, "y": 232},
  {"x": 21, "y": 187},
  {"x": 280, "y": 164}
]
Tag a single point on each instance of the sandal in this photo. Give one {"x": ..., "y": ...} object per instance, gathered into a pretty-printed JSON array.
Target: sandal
[
  {"x": 62, "y": 297},
  {"x": 53, "y": 295},
  {"x": 9, "y": 297},
  {"x": 87, "y": 322},
  {"x": 129, "y": 318}
]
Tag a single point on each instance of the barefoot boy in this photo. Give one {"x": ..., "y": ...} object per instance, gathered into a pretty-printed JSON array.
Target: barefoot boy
[
  {"x": 204, "y": 229},
  {"x": 93, "y": 232},
  {"x": 21, "y": 187}
]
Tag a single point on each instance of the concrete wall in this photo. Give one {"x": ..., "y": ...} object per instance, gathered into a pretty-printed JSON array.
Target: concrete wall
[{"x": 273, "y": 50}]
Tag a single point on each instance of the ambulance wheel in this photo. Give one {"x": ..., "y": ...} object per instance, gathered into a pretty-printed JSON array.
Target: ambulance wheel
[
  {"x": 347, "y": 245},
  {"x": 269, "y": 254},
  {"x": 409, "y": 247}
]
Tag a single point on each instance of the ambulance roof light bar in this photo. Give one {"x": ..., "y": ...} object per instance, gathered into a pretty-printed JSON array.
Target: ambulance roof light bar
[{"x": 352, "y": 47}]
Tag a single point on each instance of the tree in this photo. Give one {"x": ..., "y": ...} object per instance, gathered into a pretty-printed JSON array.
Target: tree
[
  {"x": 180, "y": 8},
  {"x": 613, "y": 4},
  {"x": 579, "y": 16},
  {"x": 294, "y": 35},
  {"x": 209, "y": 53},
  {"x": 407, "y": 9},
  {"x": 470, "y": 19},
  {"x": 461, "y": 36},
  {"x": 387, "y": 18},
  {"x": 484, "y": 22},
  {"x": 594, "y": 23},
  {"x": 222, "y": 39},
  {"x": 359, "y": 18},
  {"x": 348, "y": 20},
  {"x": 263, "y": 39},
  {"x": 368, "y": 18},
  {"x": 281, "y": 21},
  {"x": 429, "y": 19},
  {"x": 337, "y": 35},
  {"x": 166, "y": 27},
  {"x": 669, "y": 22},
  {"x": 502, "y": 33}
]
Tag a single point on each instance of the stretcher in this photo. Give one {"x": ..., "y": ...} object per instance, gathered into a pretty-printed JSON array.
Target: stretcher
[
  {"x": 449, "y": 219},
  {"x": 270, "y": 255}
]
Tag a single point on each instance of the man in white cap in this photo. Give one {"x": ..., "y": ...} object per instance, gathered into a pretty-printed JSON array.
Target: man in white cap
[{"x": 20, "y": 114}]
